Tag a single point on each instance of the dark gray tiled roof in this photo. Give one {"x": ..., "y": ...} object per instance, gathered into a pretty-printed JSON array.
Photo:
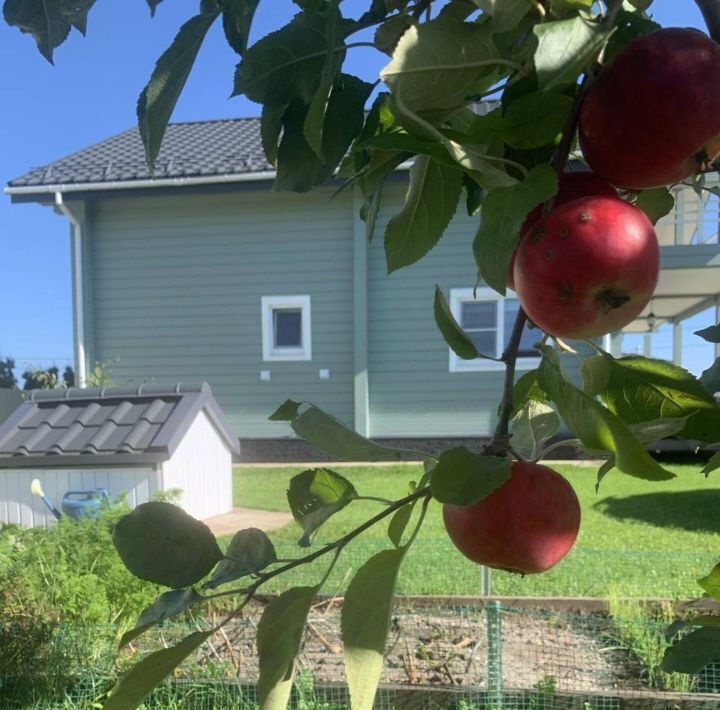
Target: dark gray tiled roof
[
  {"x": 112, "y": 424},
  {"x": 189, "y": 150},
  {"x": 204, "y": 148}
]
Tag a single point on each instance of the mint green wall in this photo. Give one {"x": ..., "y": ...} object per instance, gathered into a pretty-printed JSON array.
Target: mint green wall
[{"x": 176, "y": 289}]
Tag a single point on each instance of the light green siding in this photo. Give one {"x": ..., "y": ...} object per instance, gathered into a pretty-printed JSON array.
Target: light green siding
[{"x": 177, "y": 283}]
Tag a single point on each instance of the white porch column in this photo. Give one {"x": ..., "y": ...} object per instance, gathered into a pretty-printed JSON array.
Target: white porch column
[
  {"x": 647, "y": 345},
  {"x": 717, "y": 320},
  {"x": 677, "y": 343},
  {"x": 615, "y": 345}
]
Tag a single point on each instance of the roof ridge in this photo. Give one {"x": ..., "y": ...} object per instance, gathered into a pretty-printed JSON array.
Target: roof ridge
[{"x": 94, "y": 393}]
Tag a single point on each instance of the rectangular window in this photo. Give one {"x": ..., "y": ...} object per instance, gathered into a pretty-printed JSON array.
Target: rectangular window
[
  {"x": 487, "y": 318},
  {"x": 286, "y": 333}
]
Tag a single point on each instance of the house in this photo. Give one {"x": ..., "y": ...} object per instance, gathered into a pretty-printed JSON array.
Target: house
[
  {"x": 140, "y": 440},
  {"x": 202, "y": 272}
]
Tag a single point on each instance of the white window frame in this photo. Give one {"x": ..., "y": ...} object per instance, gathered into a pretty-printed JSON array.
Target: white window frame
[
  {"x": 285, "y": 354},
  {"x": 458, "y": 296}
]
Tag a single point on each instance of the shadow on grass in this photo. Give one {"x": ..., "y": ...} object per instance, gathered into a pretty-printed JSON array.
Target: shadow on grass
[{"x": 696, "y": 511}]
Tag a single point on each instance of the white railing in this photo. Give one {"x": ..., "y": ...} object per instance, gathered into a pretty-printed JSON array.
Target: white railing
[{"x": 694, "y": 221}]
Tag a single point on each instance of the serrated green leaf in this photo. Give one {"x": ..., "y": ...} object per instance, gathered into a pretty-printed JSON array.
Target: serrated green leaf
[
  {"x": 316, "y": 494},
  {"x": 436, "y": 64},
  {"x": 501, "y": 216},
  {"x": 639, "y": 389},
  {"x": 711, "y": 334},
  {"x": 166, "y": 605},
  {"x": 453, "y": 334},
  {"x": 76, "y": 12},
  {"x": 249, "y": 551},
  {"x": 527, "y": 388},
  {"x": 146, "y": 675},
  {"x": 710, "y": 378},
  {"x": 286, "y": 65},
  {"x": 648, "y": 432},
  {"x": 388, "y": 34},
  {"x": 270, "y": 129},
  {"x": 533, "y": 424},
  {"x": 399, "y": 522},
  {"x": 279, "y": 634},
  {"x": 506, "y": 14},
  {"x": 430, "y": 203},
  {"x": 157, "y": 100},
  {"x": 596, "y": 426},
  {"x": 43, "y": 20},
  {"x": 711, "y": 583},
  {"x": 365, "y": 620},
  {"x": 299, "y": 168},
  {"x": 712, "y": 465},
  {"x": 152, "y": 4},
  {"x": 603, "y": 471},
  {"x": 693, "y": 652},
  {"x": 237, "y": 20},
  {"x": 159, "y": 542},
  {"x": 462, "y": 477},
  {"x": 286, "y": 412},
  {"x": 565, "y": 48},
  {"x": 536, "y": 119},
  {"x": 655, "y": 203}
]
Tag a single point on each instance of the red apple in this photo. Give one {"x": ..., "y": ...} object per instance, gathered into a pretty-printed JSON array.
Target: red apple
[
  {"x": 527, "y": 525},
  {"x": 587, "y": 268},
  {"x": 571, "y": 186},
  {"x": 652, "y": 116}
]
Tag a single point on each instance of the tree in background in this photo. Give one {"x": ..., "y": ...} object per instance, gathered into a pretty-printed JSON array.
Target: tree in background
[{"x": 7, "y": 374}]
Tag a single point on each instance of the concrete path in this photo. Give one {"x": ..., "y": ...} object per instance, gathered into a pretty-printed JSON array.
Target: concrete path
[{"x": 241, "y": 518}]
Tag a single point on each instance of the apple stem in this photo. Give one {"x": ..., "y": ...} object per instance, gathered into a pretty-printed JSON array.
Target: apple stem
[{"x": 710, "y": 10}]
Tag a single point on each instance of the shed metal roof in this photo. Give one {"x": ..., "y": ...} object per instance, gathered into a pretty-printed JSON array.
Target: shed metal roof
[
  {"x": 191, "y": 153},
  {"x": 106, "y": 425}
]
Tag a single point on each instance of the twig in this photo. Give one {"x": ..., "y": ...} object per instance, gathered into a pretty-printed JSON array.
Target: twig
[
  {"x": 332, "y": 647},
  {"x": 230, "y": 649},
  {"x": 710, "y": 10}
]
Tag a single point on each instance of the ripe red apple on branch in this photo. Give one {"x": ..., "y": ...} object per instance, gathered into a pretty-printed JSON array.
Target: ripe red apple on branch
[
  {"x": 587, "y": 268},
  {"x": 527, "y": 525},
  {"x": 652, "y": 116}
]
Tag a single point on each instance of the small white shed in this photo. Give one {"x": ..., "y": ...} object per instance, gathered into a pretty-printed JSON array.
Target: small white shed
[{"x": 133, "y": 440}]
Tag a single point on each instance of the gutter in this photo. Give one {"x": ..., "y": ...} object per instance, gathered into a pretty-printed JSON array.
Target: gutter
[{"x": 79, "y": 335}]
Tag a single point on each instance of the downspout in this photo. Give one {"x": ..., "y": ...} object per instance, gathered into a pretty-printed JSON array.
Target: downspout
[{"x": 78, "y": 301}]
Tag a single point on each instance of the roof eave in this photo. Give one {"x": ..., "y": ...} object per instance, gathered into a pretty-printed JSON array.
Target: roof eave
[{"x": 118, "y": 460}]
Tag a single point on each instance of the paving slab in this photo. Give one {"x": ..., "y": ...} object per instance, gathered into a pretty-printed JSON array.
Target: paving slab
[{"x": 240, "y": 518}]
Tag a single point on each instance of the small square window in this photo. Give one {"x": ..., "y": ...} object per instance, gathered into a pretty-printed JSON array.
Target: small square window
[{"x": 286, "y": 328}]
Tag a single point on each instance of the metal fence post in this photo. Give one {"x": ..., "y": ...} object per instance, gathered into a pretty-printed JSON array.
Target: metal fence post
[
  {"x": 485, "y": 581},
  {"x": 494, "y": 654}
]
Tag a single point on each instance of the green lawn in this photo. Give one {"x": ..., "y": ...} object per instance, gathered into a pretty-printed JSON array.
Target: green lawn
[{"x": 637, "y": 538}]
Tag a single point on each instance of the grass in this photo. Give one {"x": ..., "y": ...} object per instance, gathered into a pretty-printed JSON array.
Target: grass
[{"x": 638, "y": 538}]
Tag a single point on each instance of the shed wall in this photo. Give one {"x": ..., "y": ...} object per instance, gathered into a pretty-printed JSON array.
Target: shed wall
[
  {"x": 202, "y": 468},
  {"x": 19, "y": 506},
  {"x": 177, "y": 283}
]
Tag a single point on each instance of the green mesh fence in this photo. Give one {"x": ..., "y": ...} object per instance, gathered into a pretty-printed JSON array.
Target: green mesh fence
[{"x": 441, "y": 653}]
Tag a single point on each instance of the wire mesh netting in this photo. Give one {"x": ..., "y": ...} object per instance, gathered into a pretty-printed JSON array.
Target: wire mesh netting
[{"x": 440, "y": 654}]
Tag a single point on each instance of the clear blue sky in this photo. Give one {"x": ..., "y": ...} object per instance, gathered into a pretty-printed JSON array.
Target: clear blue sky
[{"x": 89, "y": 95}]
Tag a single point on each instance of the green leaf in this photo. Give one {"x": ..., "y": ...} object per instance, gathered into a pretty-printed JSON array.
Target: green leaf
[
  {"x": 693, "y": 652},
  {"x": 596, "y": 427},
  {"x": 436, "y": 64},
  {"x": 462, "y": 477},
  {"x": 43, "y": 20},
  {"x": 527, "y": 388},
  {"x": 501, "y": 216},
  {"x": 76, "y": 12},
  {"x": 711, "y": 583},
  {"x": 157, "y": 100},
  {"x": 365, "y": 620},
  {"x": 159, "y": 542},
  {"x": 536, "y": 119},
  {"x": 430, "y": 203},
  {"x": 399, "y": 522},
  {"x": 655, "y": 203},
  {"x": 388, "y": 34},
  {"x": 711, "y": 334},
  {"x": 299, "y": 168},
  {"x": 166, "y": 605},
  {"x": 639, "y": 389},
  {"x": 454, "y": 335},
  {"x": 279, "y": 634},
  {"x": 656, "y": 429},
  {"x": 532, "y": 426},
  {"x": 316, "y": 494},
  {"x": 286, "y": 412},
  {"x": 326, "y": 432},
  {"x": 603, "y": 471},
  {"x": 270, "y": 129},
  {"x": 286, "y": 65},
  {"x": 506, "y": 14},
  {"x": 712, "y": 465},
  {"x": 564, "y": 49},
  {"x": 237, "y": 20},
  {"x": 710, "y": 378},
  {"x": 641, "y": 5},
  {"x": 146, "y": 675},
  {"x": 152, "y": 4},
  {"x": 249, "y": 551}
]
